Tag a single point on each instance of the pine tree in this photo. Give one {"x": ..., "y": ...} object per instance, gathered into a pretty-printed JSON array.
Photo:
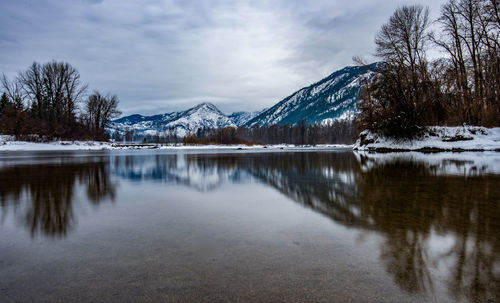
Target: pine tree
[{"x": 4, "y": 100}]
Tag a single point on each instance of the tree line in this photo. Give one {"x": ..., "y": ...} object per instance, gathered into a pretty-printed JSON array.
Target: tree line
[
  {"x": 410, "y": 91},
  {"x": 339, "y": 132},
  {"x": 49, "y": 101}
]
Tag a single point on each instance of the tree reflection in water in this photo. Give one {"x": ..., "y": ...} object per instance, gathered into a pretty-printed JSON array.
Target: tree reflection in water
[
  {"x": 407, "y": 202},
  {"x": 410, "y": 204},
  {"x": 43, "y": 195}
]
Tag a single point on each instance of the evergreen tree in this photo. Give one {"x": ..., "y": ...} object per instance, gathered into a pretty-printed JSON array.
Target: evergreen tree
[{"x": 4, "y": 100}]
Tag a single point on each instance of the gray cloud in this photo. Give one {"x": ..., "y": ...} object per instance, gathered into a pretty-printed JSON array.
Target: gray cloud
[{"x": 160, "y": 56}]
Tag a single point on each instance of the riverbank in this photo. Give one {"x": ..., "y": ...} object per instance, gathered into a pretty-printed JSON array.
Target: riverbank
[
  {"x": 8, "y": 143},
  {"x": 435, "y": 139}
]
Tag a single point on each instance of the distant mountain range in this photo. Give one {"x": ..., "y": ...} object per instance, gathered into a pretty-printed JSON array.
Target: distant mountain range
[
  {"x": 202, "y": 115},
  {"x": 333, "y": 98}
]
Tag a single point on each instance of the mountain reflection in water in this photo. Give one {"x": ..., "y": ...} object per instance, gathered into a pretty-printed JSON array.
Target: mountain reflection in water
[{"x": 411, "y": 202}]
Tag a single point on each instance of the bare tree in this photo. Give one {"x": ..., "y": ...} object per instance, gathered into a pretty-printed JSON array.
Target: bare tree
[
  {"x": 13, "y": 90},
  {"x": 451, "y": 40},
  {"x": 408, "y": 92},
  {"x": 402, "y": 92},
  {"x": 470, "y": 31},
  {"x": 491, "y": 26},
  {"x": 403, "y": 39},
  {"x": 53, "y": 93},
  {"x": 54, "y": 89},
  {"x": 99, "y": 111},
  {"x": 473, "y": 35}
]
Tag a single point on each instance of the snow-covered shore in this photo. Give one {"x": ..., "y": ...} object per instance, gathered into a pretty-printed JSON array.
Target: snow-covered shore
[
  {"x": 12, "y": 145},
  {"x": 8, "y": 143},
  {"x": 463, "y": 138}
]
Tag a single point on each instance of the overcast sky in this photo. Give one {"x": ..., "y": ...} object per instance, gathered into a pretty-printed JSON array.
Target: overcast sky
[{"x": 161, "y": 56}]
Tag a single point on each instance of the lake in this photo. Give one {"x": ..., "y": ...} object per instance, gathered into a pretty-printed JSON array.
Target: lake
[{"x": 213, "y": 226}]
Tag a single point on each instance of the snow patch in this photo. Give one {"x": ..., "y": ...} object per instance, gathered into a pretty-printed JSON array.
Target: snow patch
[
  {"x": 7, "y": 144},
  {"x": 52, "y": 146},
  {"x": 436, "y": 138}
]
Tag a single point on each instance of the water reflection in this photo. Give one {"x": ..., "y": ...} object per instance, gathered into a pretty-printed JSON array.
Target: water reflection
[
  {"x": 200, "y": 172},
  {"x": 407, "y": 202},
  {"x": 42, "y": 195},
  {"x": 438, "y": 216},
  {"x": 410, "y": 202}
]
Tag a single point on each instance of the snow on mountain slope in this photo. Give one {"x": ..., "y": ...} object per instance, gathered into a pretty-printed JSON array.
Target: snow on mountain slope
[
  {"x": 330, "y": 99},
  {"x": 182, "y": 123},
  {"x": 202, "y": 115},
  {"x": 241, "y": 118},
  {"x": 333, "y": 98}
]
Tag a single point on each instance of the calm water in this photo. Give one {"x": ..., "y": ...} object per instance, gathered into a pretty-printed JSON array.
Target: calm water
[{"x": 280, "y": 227}]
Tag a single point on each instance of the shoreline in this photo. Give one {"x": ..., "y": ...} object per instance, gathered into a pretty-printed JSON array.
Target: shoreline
[
  {"x": 13, "y": 146},
  {"x": 434, "y": 140},
  {"x": 425, "y": 150}
]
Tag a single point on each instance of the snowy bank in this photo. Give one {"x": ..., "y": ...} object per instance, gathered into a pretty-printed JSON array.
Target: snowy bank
[
  {"x": 11, "y": 145},
  {"x": 259, "y": 147},
  {"x": 436, "y": 138},
  {"x": 8, "y": 143}
]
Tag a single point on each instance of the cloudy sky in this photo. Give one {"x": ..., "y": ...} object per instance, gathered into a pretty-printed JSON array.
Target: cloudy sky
[{"x": 166, "y": 55}]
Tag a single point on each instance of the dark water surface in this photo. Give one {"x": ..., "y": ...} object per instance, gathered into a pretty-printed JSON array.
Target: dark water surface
[{"x": 331, "y": 226}]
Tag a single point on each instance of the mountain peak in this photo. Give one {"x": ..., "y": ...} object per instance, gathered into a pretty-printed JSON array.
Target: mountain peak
[
  {"x": 332, "y": 98},
  {"x": 199, "y": 116},
  {"x": 207, "y": 105}
]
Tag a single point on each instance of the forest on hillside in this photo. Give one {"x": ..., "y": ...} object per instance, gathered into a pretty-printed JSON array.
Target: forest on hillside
[
  {"x": 49, "y": 101},
  {"x": 410, "y": 91}
]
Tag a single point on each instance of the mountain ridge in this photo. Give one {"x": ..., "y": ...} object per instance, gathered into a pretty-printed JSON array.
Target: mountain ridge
[
  {"x": 332, "y": 98},
  {"x": 326, "y": 100},
  {"x": 182, "y": 123}
]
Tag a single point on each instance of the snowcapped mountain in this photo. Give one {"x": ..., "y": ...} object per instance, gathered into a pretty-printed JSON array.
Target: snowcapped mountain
[
  {"x": 333, "y": 98},
  {"x": 202, "y": 115},
  {"x": 330, "y": 99},
  {"x": 241, "y": 118}
]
